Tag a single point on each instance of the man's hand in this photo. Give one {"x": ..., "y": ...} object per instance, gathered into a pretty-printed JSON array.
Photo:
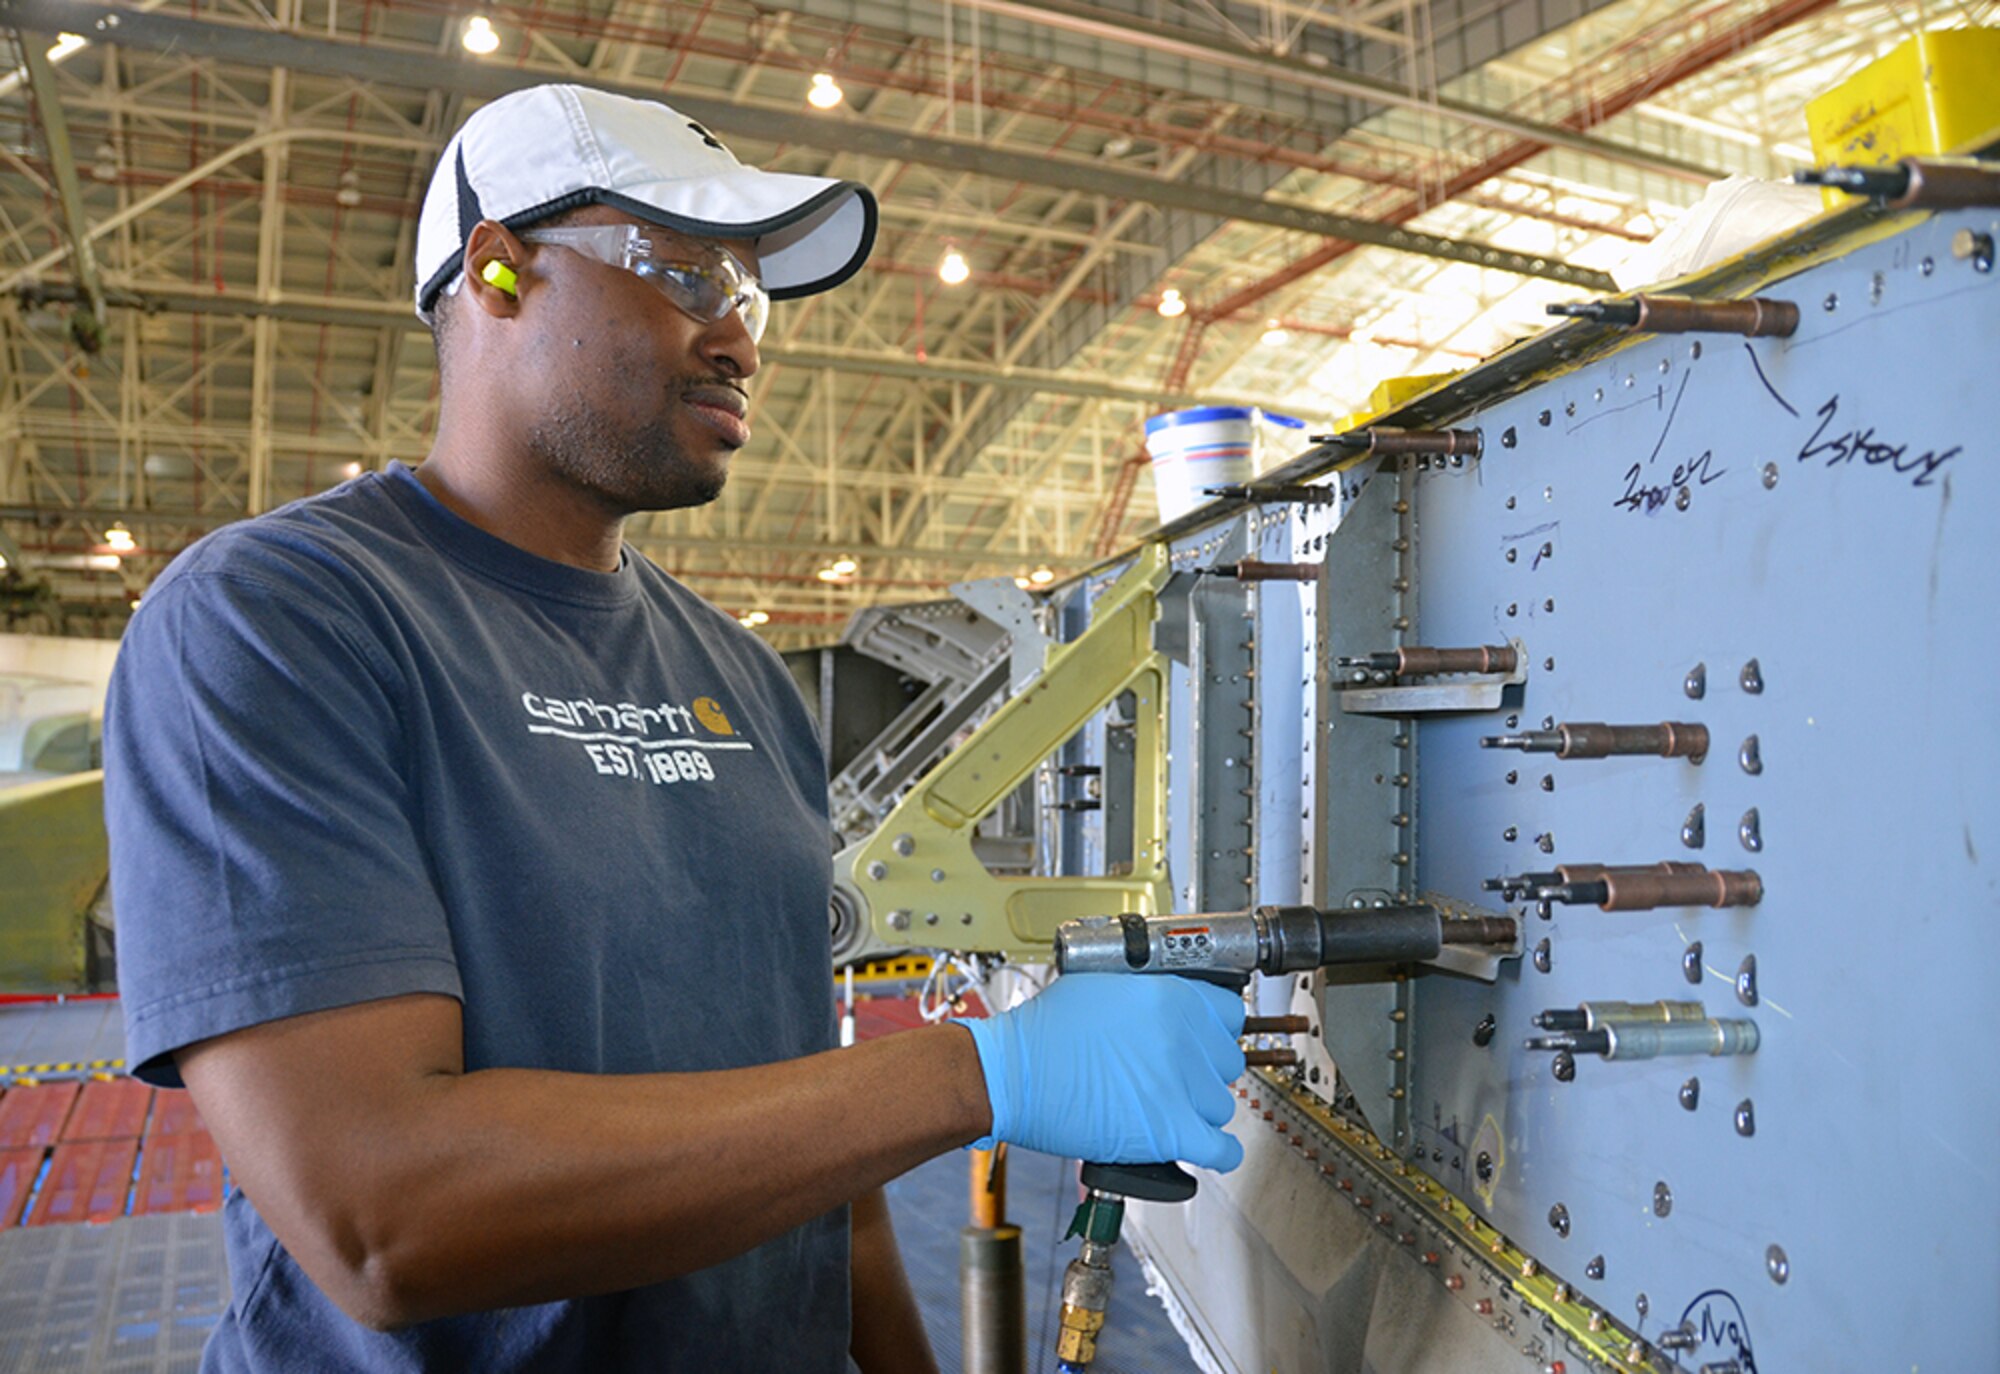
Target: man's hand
[{"x": 1121, "y": 1070}]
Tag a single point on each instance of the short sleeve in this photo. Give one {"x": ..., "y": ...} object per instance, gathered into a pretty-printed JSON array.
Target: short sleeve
[{"x": 264, "y": 853}]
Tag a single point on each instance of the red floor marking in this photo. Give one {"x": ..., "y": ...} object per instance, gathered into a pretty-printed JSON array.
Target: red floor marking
[
  {"x": 173, "y": 1114},
  {"x": 179, "y": 1173},
  {"x": 875, "y": 1017},
  {"x": 880, "y": 1016},
  {"x": 109, "y": 1109},
  {"x": 87, "y": 1181},
  {"x": 17, "y": 1179},
  {"x": 35, "y": 1115}
]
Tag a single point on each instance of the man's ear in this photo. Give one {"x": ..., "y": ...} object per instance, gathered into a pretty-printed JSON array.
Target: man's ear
[{"x": 493, "y": 265}]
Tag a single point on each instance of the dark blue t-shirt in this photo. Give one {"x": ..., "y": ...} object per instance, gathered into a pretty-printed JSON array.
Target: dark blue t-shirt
[{"x": 359, "y": 748}]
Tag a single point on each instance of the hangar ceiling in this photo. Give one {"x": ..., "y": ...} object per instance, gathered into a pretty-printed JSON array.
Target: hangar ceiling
[{"x": 1340, "y": 190}]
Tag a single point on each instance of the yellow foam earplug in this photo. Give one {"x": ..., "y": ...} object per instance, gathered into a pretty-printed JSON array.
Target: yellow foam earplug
[{"x": 499, "y": 275}]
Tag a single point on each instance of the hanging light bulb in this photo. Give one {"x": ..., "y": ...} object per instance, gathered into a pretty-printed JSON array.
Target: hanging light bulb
[
  {"x": 952, "y": 269},
  {"x": 349, "y": 194},
  {"x": 1171, "y": 305},
  {"x": 825, "y": 92},
  {"x": 105, "y": 167},
  {"x": 845, "y": 567},
  {"x": 752, "y": 619},
  {"x": 119, "y": 538},
  {"x": 478, "y": 36},
  {"x": 1274, "y": 334},
  {"x": 1041, "y": 577}
]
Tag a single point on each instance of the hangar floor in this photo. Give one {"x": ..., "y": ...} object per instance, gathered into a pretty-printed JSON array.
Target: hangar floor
[{"x": 140, "y": 1292}]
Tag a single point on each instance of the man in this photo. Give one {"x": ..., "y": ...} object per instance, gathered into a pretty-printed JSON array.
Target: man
[{"x": 473, "y": 874}]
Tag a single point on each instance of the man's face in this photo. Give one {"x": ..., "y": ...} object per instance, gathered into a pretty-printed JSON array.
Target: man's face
[{"x": 639, "y": 403}]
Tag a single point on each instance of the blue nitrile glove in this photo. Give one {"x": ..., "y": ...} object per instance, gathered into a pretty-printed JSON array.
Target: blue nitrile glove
[{"x": 1116, "y": 1069}]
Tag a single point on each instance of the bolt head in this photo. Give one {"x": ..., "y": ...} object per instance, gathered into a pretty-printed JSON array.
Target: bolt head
[{"x": 878, "y": 870}]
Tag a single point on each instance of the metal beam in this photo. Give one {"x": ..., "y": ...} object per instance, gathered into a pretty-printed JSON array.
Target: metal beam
[
  {"x": 1187, "y": 45},
  {"x": 659, "y": 542},
  {"x": 873, "y": 364},
  {"x": 1691, "y": 58},
  {"x": 426, "y": 71},
  {"x": 62, "y": 161}
]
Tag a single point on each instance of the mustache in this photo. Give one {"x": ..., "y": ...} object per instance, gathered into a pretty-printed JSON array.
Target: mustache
[{"x": 692, "y": 380}]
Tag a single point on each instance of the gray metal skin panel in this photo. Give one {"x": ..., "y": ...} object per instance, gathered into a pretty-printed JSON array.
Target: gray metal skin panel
[
  {"x": 1841, "y": 531},
  {"x": 1865, "y": 594}
]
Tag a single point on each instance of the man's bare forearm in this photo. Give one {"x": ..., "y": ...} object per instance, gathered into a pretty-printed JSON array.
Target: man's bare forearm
[
  {"x": 418, "y": 1195},
  {"x": 889, "y": 1335}
]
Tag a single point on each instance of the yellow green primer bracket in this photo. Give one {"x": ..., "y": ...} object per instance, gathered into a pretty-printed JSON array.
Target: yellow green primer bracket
[
  {"x": 53, "y": 861},
  {"x": 916, "y": 878}
]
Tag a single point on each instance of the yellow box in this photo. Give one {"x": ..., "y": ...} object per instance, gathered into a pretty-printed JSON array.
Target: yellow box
[
  {"x": 1929, "y": 94},
  {"x": 1389, "y": 394}
]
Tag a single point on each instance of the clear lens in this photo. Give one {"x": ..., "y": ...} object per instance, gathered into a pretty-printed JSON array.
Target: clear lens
[
  {"x": 705, "y": 291},
  {"x": 708, "y": 291}
]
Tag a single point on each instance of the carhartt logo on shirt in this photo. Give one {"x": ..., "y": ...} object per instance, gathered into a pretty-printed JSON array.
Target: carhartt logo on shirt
[
  {"x": 661, "y": 744},
  {"x": 709, "y": 712}
]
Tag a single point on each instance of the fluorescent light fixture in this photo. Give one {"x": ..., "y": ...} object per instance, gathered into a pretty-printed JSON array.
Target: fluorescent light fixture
[
  {"x": 66, "y": 43},
  {"x": 478, "y": 36},
  {"x": 1171, "y": 305},
  {"x": 952, "y": 269},
  {"x": 825, "y": 92},
  {"x": 80, "y": 562}
]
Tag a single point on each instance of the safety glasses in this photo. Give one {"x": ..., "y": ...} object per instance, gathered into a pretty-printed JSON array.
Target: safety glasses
[{"x": 706, "y": 289}]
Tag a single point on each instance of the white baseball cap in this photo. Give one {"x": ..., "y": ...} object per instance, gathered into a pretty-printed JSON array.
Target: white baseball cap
[{"x": 536, "y": 153}]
